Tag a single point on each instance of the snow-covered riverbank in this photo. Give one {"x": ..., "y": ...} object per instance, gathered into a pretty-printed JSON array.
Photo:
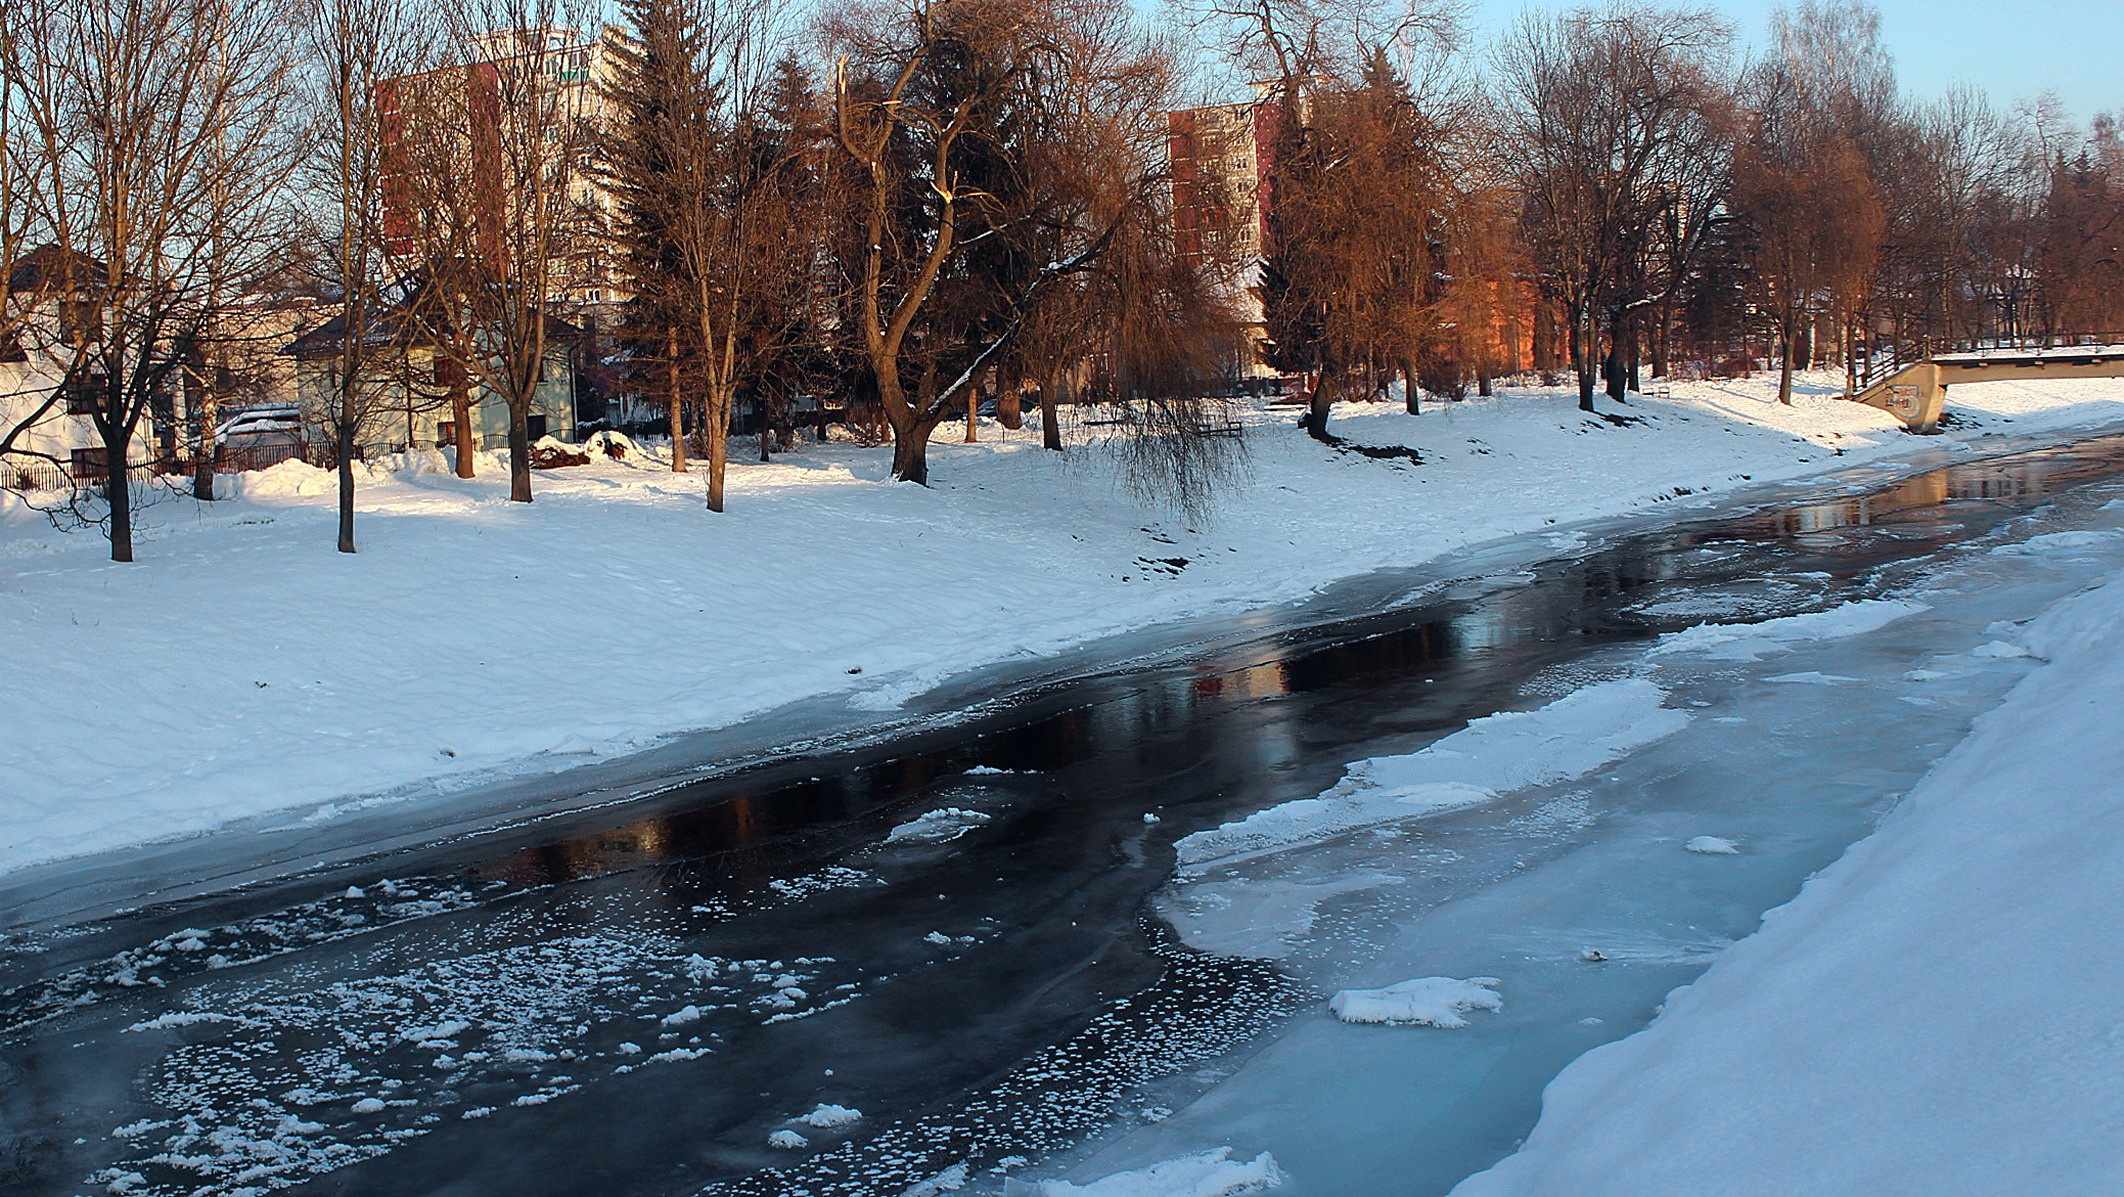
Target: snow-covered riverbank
[
  {"x": 243, "y": 666},
  {"x": 1936, "y": 1013}
]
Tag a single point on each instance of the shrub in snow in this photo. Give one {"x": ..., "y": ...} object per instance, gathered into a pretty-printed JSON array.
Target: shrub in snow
[
  {"x": 1425, "y": 1001},
  {"x": 552, "y": 454},
  {"x": 786, "y": 1140},
  {"x": 1711, "y": 845},
  {"x": 613, "y": 445}
]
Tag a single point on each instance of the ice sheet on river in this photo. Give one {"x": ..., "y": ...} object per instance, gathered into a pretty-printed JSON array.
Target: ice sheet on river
[
  {"x": 1750, "y": 641},
  {"x": 1491, "y": 756}
]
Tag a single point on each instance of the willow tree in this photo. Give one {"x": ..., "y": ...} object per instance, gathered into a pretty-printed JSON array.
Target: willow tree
[{"x": 1005, "y": 153}]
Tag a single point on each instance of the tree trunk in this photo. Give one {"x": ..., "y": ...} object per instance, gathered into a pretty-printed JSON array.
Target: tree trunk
[
  {"x": 673, "y": 408},
  {"x": 208, "y": 407},
  {"x": 346, "y": 486},
  {"x": 203, "y": 463},
  {"x": 973, "y": 414},
  {"x": 1051, "y": 409},
  {"x": 1318, "y": 406},
  {"x": 1010, "y": 403},
  {"x": 1411, "y": 397},
  {"x": 910, "y": 459},
  {"x": 461, "y": 417},
  {"x": 1482, "y": 378},
  {"x": 1582, "y": 359},
  {"x": 1850, "y": 356},
  {"x": 118, "y": 492},
  {"x": 1612, "y": 370},
  {"x": 715, "y": 428},
  {"x": 519, "y": 454},
  {"x": 1784, "y": 369}
]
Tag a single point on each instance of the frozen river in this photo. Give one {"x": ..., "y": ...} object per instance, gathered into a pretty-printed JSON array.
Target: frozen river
[{"x": 968, "y": 954}]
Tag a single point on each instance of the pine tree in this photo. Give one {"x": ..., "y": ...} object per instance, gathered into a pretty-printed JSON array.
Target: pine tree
[{"x": 659, "y": 95}]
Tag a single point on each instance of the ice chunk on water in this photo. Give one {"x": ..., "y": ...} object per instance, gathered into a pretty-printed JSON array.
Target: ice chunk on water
[
  {"x": 1711, "y": 845},
  {"x": 1750, "y": 641},
  {"x": 826, "y": 1117},
  {"x": 1568, "y": 738},
  {"x": 787, "y": 1140},
  {"x": 1209, "y": 1174},
  {"x": 937, "y": 826},
  {"x": 1424, "y": 1002}
]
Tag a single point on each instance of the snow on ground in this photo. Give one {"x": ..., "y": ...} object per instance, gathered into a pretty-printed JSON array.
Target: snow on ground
[
  {"x": 1496, "y": 754},
  {"x": 1935, "y": 1013},
  {"x": 244, "y": 667},
  {"x": 1424, "y": 1002},
  {"x": 1209, "y": 1174}
]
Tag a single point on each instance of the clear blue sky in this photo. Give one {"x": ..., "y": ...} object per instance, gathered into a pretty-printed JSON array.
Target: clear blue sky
[{"x": 2013, "y": 50}]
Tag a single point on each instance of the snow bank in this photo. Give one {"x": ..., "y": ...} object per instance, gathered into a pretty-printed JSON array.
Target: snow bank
[
  {"x": 1424, "y": 1002},
  {"x": 1210, "y": 1174},
  {"x": 1490, "y": 756},
  {"x": 1935, "y": 1013},
  {"x": 1752, "y": 641},
  {"x": 314, "y": 681}
]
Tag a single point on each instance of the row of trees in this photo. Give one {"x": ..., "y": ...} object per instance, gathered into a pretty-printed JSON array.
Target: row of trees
[
  {"x": 910, "y": 206},
  {"x": 1664, "y": 196}
]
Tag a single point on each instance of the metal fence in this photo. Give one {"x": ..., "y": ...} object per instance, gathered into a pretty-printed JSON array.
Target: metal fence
[
  {"x": 1887, "y": 359},
  {"x": 37, "y": 475}
]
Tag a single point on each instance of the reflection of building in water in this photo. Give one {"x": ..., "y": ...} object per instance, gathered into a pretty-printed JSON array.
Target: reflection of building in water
[
  {"x": 609, "y": 851},
  {"x": 1266, "y": 680},
  {"x": 2006, "y": 484}
]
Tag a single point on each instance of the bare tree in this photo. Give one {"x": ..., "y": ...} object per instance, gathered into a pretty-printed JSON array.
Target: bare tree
[
  {"x": 966, "y": 124},
  {"x": 485, "y": 161},
  {"x": 1813, "y": 217},
  {"x": 162, "y": 157},
  {"x": 1601, "y": 116},
  {"x": 352, "y": 47}
]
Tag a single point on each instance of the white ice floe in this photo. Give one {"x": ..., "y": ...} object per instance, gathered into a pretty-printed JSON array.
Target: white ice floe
[
  {"x": 1711, "y": 845},
  {"x": 1424, "y": 1002},
  {"x": 1751, "y": 641},
  {"x": 937, "y": 826},
  {"x": 787, "y": 1140},
  {"x": 1208, "y": 1174},
  {"x": 826, "y": 1117},
  {"x": 1490, "y": 756}
]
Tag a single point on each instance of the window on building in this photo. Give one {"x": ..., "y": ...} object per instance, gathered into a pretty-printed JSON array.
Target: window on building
[
  {"x": 90, "y": 465},
  {"x": 535, "y": 426},
  {"x": 446, "y": 434},
  {"x": 84, "y": 393}
]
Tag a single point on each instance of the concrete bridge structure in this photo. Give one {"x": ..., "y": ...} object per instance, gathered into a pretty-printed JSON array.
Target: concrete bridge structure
[{"x": 1917, "y": 393}]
